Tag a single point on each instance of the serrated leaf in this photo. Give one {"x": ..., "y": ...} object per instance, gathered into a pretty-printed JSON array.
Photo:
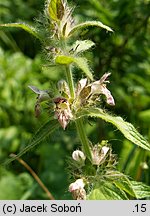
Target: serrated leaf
[
  {"x": 124, "y": 184},
  {"x": 24, "y": 26},
  {"x": 56, "y": 9},
  {"x": 81, "y": 46},
  {"x": 44, "y": 131},
  {"x": 141, "y": 190},
  {"x": 83, "y": 65},
  {"x": 79, "y": 61},
  {"x": 88, "y": 24},
  {"x": 106, "y": 191},
  {"x": 127, "y": 129}
]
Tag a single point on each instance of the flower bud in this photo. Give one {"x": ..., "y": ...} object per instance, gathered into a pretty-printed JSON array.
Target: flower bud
[{"x": 78, "y": 156}]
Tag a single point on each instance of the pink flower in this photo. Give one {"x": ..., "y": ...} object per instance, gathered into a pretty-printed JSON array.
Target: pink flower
[
  {"x": 77, "y": 189},
  {"x": 62, "y": 111},
  {"x": 99, "y": 87},
  {"x": 77, "y": 185},
  {"x": 89, "y": 93}
]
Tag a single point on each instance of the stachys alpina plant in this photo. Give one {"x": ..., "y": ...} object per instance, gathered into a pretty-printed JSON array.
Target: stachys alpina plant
[{"x": 92, "y": 167}]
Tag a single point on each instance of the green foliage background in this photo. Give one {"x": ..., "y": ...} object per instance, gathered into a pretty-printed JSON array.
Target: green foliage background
[{"x": 125, "y": 54}]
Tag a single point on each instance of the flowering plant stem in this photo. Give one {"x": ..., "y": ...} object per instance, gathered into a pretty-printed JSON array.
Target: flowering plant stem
[
  {"x": 79, "y": 121},
  {"x": 83, "y": 138},
  {"x": 70, "y": 81},
  {"x": 75, "y": 102}
]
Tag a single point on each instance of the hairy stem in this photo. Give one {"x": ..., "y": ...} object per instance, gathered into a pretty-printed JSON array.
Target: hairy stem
[
  {"x": 83, "y": 138},
  {"x": 70, "y": 81},
  {"x": 79, "y": 122}
]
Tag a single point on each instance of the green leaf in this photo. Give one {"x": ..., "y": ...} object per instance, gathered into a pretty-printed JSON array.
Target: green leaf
[
  {"x": 55, "y": 9},
  {"x": 65, "y": 60},
  {"x": 123, "y": 183},
  {"x": 126, "y": 128},
  {"x": 87, "y": 24},
  {"x": 81, "y": 46},
  {"x": 106, "y": 191},
  {"x": 44, "y": 131},
  {"x": 24, "y": 26},
  {"x": 79, "y": 61},
  {"x": 83, "y": 65},
  {"x": 141, "y": 190}
]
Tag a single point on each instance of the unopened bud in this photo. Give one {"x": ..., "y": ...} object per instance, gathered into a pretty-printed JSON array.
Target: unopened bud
[{"x": 78, "y": 156}]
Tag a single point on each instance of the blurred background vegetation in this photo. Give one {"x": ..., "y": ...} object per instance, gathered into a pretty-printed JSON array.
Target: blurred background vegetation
[{"x": 125, "y": 53}]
